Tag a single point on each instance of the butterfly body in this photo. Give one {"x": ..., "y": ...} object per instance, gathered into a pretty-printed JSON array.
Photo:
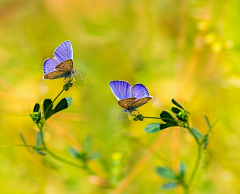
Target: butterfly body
[
  {"x": 129, "y": 97},
  {"x": 61, "y": 66}
]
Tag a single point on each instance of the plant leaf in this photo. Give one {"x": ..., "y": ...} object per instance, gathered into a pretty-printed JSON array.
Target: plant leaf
[
  {"x": 175, "y": 110},
  {"x": 182, "y": 169},
  {"x": 47, "y": 108},
  {"x": 164, "y": 126},
  {"x": 94, "y": 156},
  {"x": 169, "y": 185},
  {"x": 63, "y": 104},
  {"x": 41, "y": 153},
  {"x": 36, "y": 107},
  {"x": 38, "y": 139},
  {"x": 167, "y": 117},
  {"x": 205, "y": 144},
  {"x": 152, "y": 128},
  {"x": 24, "y": 141},
  {"x": 87, "y": 143},
  {"x": 207, "y": 121},
  {"x": 177, "y": 104},
  {"x": 165, "y": 172},
  {"x": 197, "y": 133},
  {"x": 74, "y": 152}
]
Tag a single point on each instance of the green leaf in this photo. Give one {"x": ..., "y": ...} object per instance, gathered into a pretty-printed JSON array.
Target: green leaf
[
  {"x": 152, "y": 128},
  {"x": 63, "y": 104},
  {"x": 207, "y": 121},
  {"x": 24, "y": 141},
  {"x": 175, "y": 110},
  {"x": 47, "y": 108},
  {"x": 94, "y": 156},
  {"x": 38, "y": 139},
  {"x": 167, "y": 117},
  {"x": 197, "y": 133},
  {"x": 41, "y": 153},
  {"x": 87, "y": 143},
  {"x": 182, "y": 169},
  {"x": 74, "y": 152},
  {"x": 179, "y": 118},
  {"x": 169, "y": 185},
  {"x": 205, "y": 144},
  {"x": 164, "y": 126},
  {"x": 177, "y": 104},
  {"x": 165, "y": 172},
  {"x": 36, "y": 107}
]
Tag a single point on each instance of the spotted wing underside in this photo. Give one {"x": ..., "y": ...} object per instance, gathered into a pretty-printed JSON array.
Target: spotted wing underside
[
  {"x": 54, "y": 75},
  {"x": 65, "y": 66},
  {"x": 140, "y": 102},
  {"x": 127, "y": 102}
]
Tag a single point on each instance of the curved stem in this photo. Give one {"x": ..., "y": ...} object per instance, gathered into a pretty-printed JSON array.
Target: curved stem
[
  {"x": 187, "y": 185},
  {"x": 223, "y": 115},
  {"x": 61, "y": 159},
  {"x": 196, "y": 165},
  {"x": 30, "y": 146},
  {"x": 195, "y": 137},
  {"x": 40, "y": 127}
]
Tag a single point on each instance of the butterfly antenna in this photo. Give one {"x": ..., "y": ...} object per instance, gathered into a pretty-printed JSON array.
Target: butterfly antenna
[
  {"x": 78, "y": 75},
  {"x": 79, "y": 71}
]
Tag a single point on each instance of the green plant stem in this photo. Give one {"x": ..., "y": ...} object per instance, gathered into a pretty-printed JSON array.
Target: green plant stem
[
  {"x": 196, "y": 165},
  {"x": 51, "y": 105},
  {"x": 190, "y": 130},
  {"x": 57, "y": 157},
  {"x": 187, "y": 185},
  {"x": 151, "y": 117},
  {"x": 223, "y": 114},
  {"x": 57, "y": 96},
  {"x": 40, "y": 127},
  {"x": 18, "y": 146}
]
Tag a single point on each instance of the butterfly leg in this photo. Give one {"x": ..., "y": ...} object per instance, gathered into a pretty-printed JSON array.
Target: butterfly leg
[
  {"x": 138, "y": 111},
  {"x": 120, "y": 115}
]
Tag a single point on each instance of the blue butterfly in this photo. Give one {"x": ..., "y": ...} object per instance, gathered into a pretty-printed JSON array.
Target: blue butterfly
[
  {"x": 62, "y": 63},
  {"x": 130, "y": 97}
]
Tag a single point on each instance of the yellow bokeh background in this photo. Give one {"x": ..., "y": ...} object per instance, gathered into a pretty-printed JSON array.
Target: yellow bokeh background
[{"x": 187, "y": 50}]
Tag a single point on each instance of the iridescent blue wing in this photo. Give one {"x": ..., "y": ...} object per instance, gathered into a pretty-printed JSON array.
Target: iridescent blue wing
[
  {"x": 120, "y": 89},
  {"x": 64, "y": 52},
  {"x": 140, "y": 102},
  {"x": 127, "y": 102},
  {"x": 49, "y": 65},
  {"x": 139, "y": 91}
]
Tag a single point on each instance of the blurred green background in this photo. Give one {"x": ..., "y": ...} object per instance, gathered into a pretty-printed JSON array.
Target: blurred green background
[{"x": 187, "y": 50}]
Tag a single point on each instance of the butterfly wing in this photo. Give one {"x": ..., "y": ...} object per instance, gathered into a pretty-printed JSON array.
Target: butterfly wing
[
  {"x": 140, "y": 102},
  {"x": 139, "y": 91},
  {"x": 66, "y": 66},
  {"x": 126, "y": 103},
  {"x": 49, "y": 65},
  {"x": 120, "y": 89},
  {"x": 64, "y": 52},
  {"x": 54, "y": 75}
]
